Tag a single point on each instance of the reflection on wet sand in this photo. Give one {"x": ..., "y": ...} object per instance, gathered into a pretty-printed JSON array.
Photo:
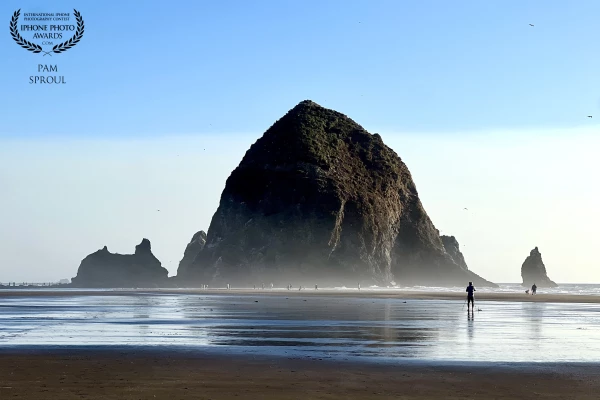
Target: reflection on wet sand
[
  {"x": 470, "y": 325},
  {"x": 308, "y": 326},
  {"x": 535, "y": 316}
]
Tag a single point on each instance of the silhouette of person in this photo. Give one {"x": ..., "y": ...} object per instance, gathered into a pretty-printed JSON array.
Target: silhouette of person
[
  {"x": 470, "y": 296},
  {"x": 533, "y": 289}
]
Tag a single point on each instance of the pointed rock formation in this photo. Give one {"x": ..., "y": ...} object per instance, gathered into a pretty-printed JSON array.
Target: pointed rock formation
[
  {"x": 105, "y": 269},
  {"x": 452, "y": 248},
  {"x": 318, "y": 199},
  {"x": 533, "y": 271},
  {"x": 193, "y": 248}
]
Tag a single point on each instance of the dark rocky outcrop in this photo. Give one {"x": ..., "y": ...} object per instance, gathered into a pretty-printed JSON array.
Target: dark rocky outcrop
[
  {"x": 106, "y": 269},
  {"x": 452, "y": 248},
  {"x": 193, "y": 248},
  {"x": 318, "y": 199},
  {"x": 533, "y": 271}
]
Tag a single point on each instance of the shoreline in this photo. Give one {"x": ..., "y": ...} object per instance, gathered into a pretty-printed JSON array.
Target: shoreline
[
  {"x": 365, "y": 293},
  {"x": 131, "y": 373}
]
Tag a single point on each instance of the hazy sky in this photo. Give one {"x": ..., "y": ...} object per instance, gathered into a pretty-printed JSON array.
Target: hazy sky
[{"x": 163, "y": 98}]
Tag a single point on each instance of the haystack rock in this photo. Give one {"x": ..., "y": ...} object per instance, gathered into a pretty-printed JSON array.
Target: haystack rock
[
  {"x": 106, "y": 269},
  {"x": 533, "y": 271},
  {"x": 193, "y": 248},
  {"x": 319, "y": 200}
]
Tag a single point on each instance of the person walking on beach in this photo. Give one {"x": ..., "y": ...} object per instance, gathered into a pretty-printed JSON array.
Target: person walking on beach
[
  {"x": 471, "y": 296},
  {"x": 533, "y": 289}
]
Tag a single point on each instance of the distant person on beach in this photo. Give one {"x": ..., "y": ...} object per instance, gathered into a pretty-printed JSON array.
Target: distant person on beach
[
  {"x": 533, "y": 289},
  {"x": 470, "y": 296}
]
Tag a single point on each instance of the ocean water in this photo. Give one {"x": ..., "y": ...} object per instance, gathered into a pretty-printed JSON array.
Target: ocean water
[
  {"x": 310, "y": 326},
  {"x": 563, "y": 288}
]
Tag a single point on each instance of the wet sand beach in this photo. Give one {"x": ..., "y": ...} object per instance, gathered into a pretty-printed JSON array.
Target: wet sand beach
[
  {"x": 160, "y": 375},
  {"x": 217, "y": 344},
  {"x": 342, "y": 326},
  {"x": 381, "y": 293}
]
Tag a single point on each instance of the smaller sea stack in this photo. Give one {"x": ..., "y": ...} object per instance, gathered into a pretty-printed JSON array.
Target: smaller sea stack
[
  {"x": 105, "y": 269},
  {"x": 533, "y": 271}
]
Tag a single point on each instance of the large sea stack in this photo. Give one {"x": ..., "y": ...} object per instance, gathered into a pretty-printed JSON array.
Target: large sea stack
[
  {"x": 106, "y": 269},
  {"x": 533, "y": 271},
  {"x": 319, "y": 200}
]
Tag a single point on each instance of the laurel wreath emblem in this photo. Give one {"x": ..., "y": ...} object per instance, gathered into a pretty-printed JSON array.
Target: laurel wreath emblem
[
  {"x": 18, "y": 38},
  {"x": 59, "y": 48},
  {"x": 35, "y": 48}
]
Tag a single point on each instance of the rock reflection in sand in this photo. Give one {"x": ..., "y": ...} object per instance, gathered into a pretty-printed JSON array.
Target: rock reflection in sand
[{"x": 308, "y": 326}]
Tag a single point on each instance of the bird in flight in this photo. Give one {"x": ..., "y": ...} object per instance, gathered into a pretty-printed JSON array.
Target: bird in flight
[
  {"x": 157, "y": 210},
  {"x": 530, "y": 24},
  {"x": 466, "y": 209},
  {"x": 589, "y": 116}
]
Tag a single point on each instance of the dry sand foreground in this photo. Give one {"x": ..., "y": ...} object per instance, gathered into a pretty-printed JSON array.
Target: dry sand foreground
[
  {"x": 114, "y": 375},
  {"x": 399, "y": 294}
]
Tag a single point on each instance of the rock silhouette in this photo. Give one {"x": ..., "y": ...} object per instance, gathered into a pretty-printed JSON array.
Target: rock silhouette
[
  {"x": 453, "y": 249},
  {"x": 106, "y": 269},
  {"x": 191, "y": 251},
  {"x": 319, "y": 200},
  {"x": 533, "y": 271}
]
